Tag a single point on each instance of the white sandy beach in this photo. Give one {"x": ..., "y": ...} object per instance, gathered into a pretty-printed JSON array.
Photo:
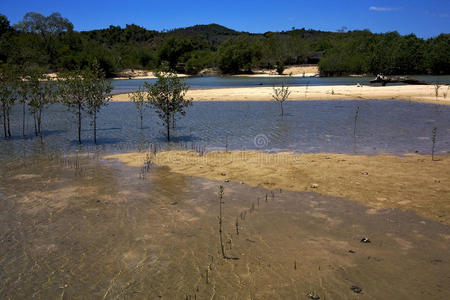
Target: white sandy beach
[{"x": 417, "y": 93}]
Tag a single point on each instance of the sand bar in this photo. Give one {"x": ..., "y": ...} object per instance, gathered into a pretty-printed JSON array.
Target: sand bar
[
  {"x": 411, "y": 182},
  {"x": 417, "y": 93}
]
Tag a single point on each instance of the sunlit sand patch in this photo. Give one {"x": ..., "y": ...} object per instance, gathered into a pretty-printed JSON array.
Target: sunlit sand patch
[
  {"x": 26, "y": 176},
  {"x": 330, "y": 221},
  {"x": 387, "y": 181},
  {"x": 404, "y": 244},
  {"x": 372, "y": 211}
]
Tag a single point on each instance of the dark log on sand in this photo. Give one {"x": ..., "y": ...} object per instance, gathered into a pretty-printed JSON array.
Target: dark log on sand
[{"x": 402, "y": 79}]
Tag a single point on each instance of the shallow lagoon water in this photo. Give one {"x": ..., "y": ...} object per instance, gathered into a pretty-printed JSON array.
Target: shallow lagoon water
[
  {"x": 396, "y": 127},
  {"x": 76, "y": 226}
]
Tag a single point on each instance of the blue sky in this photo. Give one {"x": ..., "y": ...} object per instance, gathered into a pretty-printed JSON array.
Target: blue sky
[{"x": 424, "y": 18}]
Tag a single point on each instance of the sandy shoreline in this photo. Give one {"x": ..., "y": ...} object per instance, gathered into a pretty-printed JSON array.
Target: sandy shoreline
[
  {"x": 418, "y": 93},
  {"x": 411, "y": 182},
  {"x": 295, "y": 71}
]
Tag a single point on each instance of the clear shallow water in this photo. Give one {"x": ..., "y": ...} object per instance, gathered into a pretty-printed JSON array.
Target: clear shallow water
[
  {"x": 308, "y": 127},
  {"x": 130, "y": 85},
  {"x": 82, "y": 227},
  {"x": 100, "y": 231}
]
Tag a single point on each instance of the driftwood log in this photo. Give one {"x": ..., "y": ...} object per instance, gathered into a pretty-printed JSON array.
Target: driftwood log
[{"x": 401, "y": 79}]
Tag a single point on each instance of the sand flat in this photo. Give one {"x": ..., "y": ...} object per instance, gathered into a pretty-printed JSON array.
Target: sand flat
[
  {"x": 411, "y": 182},
  {"x": 417, "y": 93},
  {"x": 100, "y": 231}
]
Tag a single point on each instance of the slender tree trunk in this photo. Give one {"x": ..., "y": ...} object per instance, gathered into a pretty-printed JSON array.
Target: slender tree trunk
[
  {"x": 281, "y": 105},
  {"x": 220, "y": 227},
  {"x": 141, "y": 118},
  {"x": 35, "y": 123},
  {"x": 4, "y": 120},
  {"x": 79, "y": 123},
  {"x": 23, "y": 118},
  {"x": 39, "y": 118},
  {"x": 168, "y": 127},
  {"x": 95, "y": 127},
  {"x": 7, "y": 121},
  {"x": 173, "y": 121}
]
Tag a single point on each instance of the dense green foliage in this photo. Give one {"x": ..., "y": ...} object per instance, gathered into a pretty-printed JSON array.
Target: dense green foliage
[
  {"x": 167, "y": 97},
  {"x": 86, "y": 90},
  {"x": 51, "y": 43},
  {"x": 363, "y": 52}
]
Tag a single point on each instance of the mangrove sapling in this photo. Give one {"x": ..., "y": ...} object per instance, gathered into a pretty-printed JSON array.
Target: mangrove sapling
[
  {"x": 356, "y": 120},
  {"x": 306, "y": 89},
  {"x": 237, "y": 226},
  {"x": 8, "y": 95},
  {"x": 220, "y": 196},
  {"x": 446, "y": 92},
  {"x": 73, "y": 92},
  {"x": 138, "y": 99},
  {"x": 230, "y": 241},
  {"x": 24, "y": 92},
  {"x": 42, "y": 92},
  {"x": 146, "y": 168},
  {"x": 280, "y": 94},
  {"x": 433, "y": 138},
  {"x": 167, "y": 97},
  {"x": 226, "y": 144},
  {"x": 437, "y": 86},
  {"x": 98, "y": 93}
]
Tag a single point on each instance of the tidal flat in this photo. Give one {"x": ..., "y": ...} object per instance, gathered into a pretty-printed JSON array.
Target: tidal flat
[
  {"x": 80, "y": 226},
  {"x": 133, "y": 217}
]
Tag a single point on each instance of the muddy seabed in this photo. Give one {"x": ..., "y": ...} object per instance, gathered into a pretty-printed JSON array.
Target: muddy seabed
[{"x": 87, "y": 228}]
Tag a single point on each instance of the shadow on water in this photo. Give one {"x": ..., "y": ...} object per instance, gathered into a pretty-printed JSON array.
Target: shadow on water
[
  {"x": 29, "y": 136},
  {"x": 52, "y": 132},
  {"x": 101, "y": 129},
  {"x": 178, "y": 139},
  {"x": 100, "y": 141}
]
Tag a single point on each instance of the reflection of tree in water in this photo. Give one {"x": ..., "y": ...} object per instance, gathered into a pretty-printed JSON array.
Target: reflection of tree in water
[{"x": 282, "y": 131}]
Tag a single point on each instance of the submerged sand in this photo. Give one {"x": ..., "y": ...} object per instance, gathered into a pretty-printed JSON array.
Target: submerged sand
[
  {"x": 411, "y": 182},
  {"x": 79, "y": 227},
  {"x": 417, "y": 93}
]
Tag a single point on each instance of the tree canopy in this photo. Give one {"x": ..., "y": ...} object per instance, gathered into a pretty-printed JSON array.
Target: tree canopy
[{"x": 51, "y": 43}]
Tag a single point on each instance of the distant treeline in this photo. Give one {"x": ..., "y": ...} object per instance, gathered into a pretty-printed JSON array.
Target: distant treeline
[{"x": 51, "y": 42}]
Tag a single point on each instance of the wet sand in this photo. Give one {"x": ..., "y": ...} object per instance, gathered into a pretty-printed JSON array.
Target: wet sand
[
  {"x": 410, "y": 182},
  {"x": 97, "y": 229},
  {"x": 418, "y": 93}
]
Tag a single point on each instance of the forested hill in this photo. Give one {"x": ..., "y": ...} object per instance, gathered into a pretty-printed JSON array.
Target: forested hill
[{"x": 51, "y": 42}]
